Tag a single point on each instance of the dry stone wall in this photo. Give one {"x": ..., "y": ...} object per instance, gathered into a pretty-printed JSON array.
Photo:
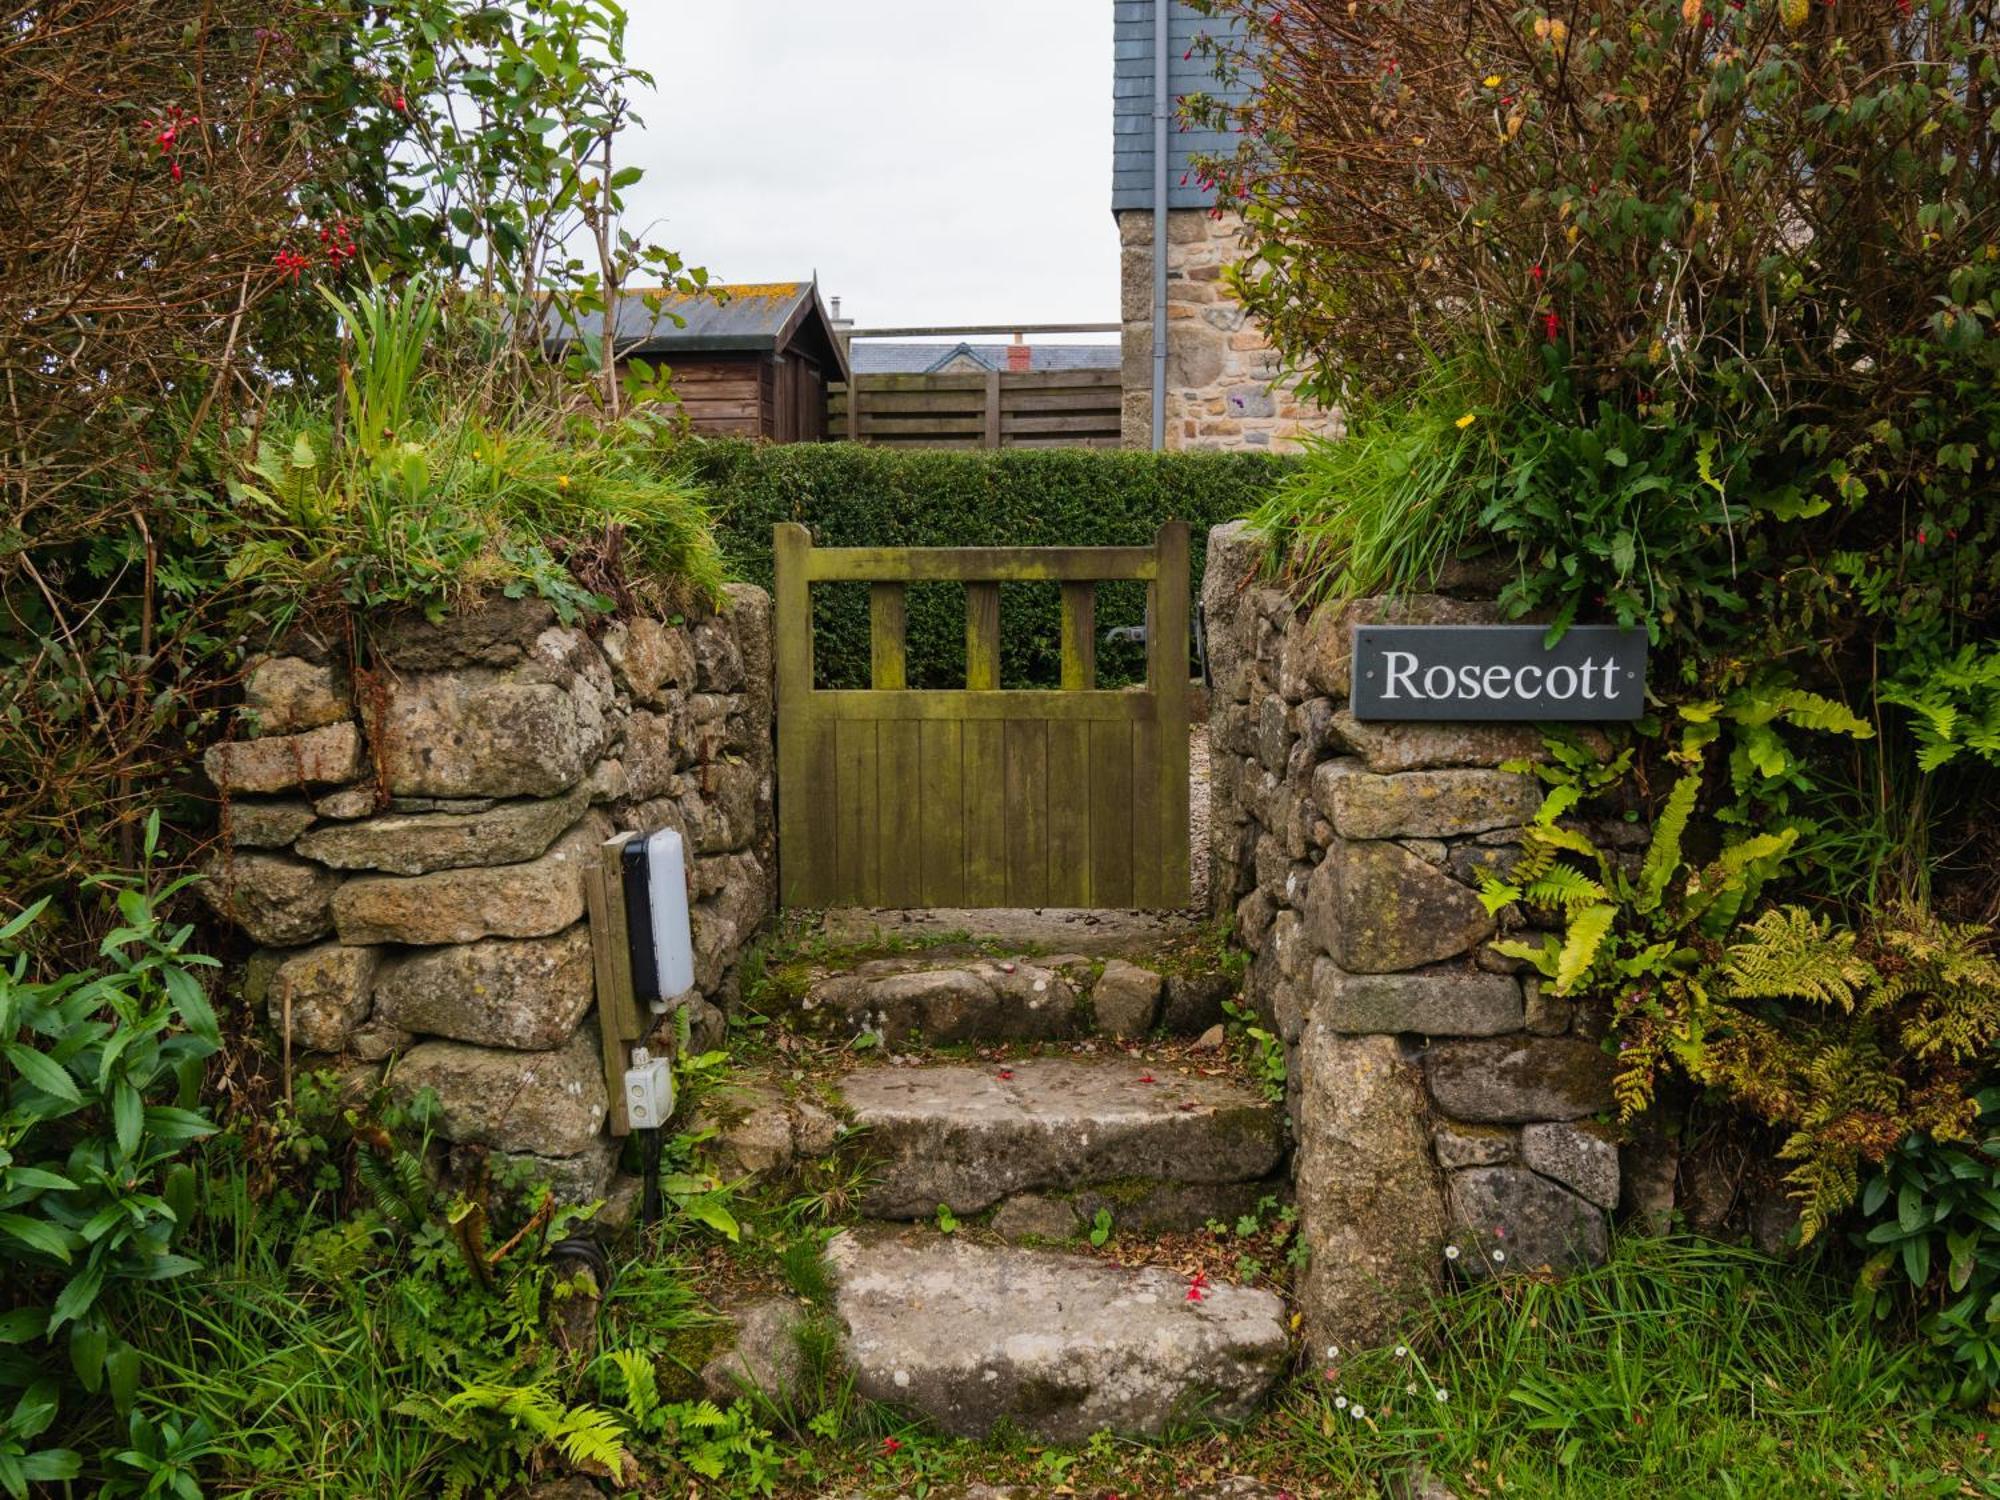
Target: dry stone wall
[
  {"x": 406, "y": 845},
  {"x": 1445, "y": 1108}
]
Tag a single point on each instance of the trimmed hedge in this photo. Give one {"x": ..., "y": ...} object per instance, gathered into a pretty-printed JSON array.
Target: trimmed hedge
[{"x": 854, "y": 496}]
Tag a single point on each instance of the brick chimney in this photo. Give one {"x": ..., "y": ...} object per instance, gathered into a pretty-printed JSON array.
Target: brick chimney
[{"x": 1019, "y": 355}]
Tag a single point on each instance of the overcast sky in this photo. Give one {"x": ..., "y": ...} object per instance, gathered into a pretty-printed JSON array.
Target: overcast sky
[{"x": 937, "y": 161}]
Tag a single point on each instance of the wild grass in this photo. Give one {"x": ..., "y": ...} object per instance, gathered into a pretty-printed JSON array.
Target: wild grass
[
  {"x": 1384, "y": 508},
  {"x": 421, "y": 483}
]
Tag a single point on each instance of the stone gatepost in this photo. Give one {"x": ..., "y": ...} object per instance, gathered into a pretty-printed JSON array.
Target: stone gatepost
[{"x": 1446, "y": 1111}]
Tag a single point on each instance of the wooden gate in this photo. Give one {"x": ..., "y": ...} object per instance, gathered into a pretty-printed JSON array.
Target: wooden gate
[{"x": 983, "y": 796}]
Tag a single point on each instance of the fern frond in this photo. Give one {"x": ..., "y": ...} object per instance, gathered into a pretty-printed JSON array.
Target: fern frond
[
  {"x": 1587, "y": 931},
  {"x": 1663, "y": 855},
  {"x": 1788, "y": 954},
  {"x": 1564, "y": 888}
]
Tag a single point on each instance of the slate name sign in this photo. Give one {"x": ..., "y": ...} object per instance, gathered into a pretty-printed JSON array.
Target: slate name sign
[{"x": 1476, "y": 672}]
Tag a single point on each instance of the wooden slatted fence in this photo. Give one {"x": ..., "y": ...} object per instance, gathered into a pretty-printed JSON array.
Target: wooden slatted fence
[
  {"x": 893, "y": 796},
  {"x": 1000, "y": 409}
]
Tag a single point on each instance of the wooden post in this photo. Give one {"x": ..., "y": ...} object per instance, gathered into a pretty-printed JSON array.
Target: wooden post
[
  {"x": 888, "y": 659},
  {"x": 992, "y": 408},
  {"x": 1079, "y": 636},
  {"x": 791, "y": 631},
  {"x": 982, "y": 636}
]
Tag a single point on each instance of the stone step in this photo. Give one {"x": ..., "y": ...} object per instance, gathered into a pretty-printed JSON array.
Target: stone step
[
  {"x": 968, "y": 1136},
  {"x": 1058, "y": 1345},
  {"x": 945, "y": 998},
  {"x": 1048, "y": 929}
]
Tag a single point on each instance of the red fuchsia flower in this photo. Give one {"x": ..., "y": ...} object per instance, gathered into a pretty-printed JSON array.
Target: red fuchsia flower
[
  {"x": 1550, "y": 324},
  {"x": 1145, "y": 1078},
  {"x": 1004, "y": 1074},
  {"x": 891, "y": 1445},
  {"x": 1535, "y": 272},
  {"x": 291, "y": 264},
  {"x": 1197, "y": 1287},
  {"x": 1922, "y": 536}
]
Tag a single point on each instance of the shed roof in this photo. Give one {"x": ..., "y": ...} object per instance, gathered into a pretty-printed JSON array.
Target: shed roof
[
  {"x": 767, "y": 317},
  {"x": 886, "y": 357}
]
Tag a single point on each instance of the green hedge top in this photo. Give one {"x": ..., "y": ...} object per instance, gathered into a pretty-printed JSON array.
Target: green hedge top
[{"x": 854, "y": 496}]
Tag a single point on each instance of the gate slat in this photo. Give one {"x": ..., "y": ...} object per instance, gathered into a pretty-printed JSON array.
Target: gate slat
[
  {"x": 1069, "y": 814},
  {"x": 901, "y": 812},
  {"x": 982, "y": 637},
  {"x": 818, "y": 788},
  {"x": 1027, "y": 789},
  {"x": 985, "y": 812},
  {"x": 858, "y": 769},
  {"x": 1111, "y": 818},
  {"x": 942, "y": 797}
]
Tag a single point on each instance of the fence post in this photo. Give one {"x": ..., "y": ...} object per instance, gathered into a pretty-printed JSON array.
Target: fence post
[{"x": 992, "y": 408}]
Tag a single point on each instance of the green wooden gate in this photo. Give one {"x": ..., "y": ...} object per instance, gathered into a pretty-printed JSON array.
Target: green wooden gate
[{"x": 983, "y": 796}]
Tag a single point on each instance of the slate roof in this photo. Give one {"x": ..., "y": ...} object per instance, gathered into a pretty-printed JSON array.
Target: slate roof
[
  {"x": 753, "y": 317},
  {"x": 872, "y": 357}
]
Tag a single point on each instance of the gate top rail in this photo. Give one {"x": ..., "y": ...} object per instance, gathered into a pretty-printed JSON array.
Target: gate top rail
[
  {"x": 1163, "y": 567},
  {"x": 979, "y": 564}
]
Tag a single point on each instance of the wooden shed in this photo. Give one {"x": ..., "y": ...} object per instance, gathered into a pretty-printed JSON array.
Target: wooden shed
[{"x": 752, "y": 360}]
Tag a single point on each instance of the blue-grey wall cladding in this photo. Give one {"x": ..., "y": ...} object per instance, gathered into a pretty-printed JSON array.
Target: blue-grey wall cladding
[{"x": 1188, "y": 72}]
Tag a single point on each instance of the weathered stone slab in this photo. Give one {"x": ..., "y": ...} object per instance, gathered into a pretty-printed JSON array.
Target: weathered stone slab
[
  {"x": 1421, "y": 804},
  {"x": 280, "y": 901},
  {"x": 983, "y": 1000},
  {"x": 526, "y": 993},
  {"x": 1514, "y": 1080},
  {"x": 1451, "y": 1002},
  {"x": 1060, "y": 1346},
  {"x": 1389, "y": 748},
  {"x": 255, "y": 823},
  {"x": 968, "y": 1137},
  {"x": 1581, "y": 1155},
  {"x": 326, "y": 756},
  {"x": 1053, "y": 929},
  {"x": 1376, "y": 908},
  {"x": 1371, "y": 1209},
  {"x": 541, "y": 1103},
  {"x": 417, "y": 843},
  {"x": 531, "y": 730},
  {"x": 1508, "y": 1219},
  {"x": 1126, "y": 999},
  {"x": 325, "y": 992},
  {"x": 288, "y": 694},
  {"x": 534, "y": 899}
]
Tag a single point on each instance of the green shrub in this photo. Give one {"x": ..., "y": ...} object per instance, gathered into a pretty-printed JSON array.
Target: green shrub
[
  {"x": 1931, "y": 1217},
  {"x": 98, "y": 1071},
  {"x": 855, "y": 496}
]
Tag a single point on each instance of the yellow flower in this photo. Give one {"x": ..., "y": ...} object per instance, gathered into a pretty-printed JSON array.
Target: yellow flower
[
  {"x": 562, "y": 481},
  {"x": 1492, "y": 80},
  {"x": 1467, "y": 420}
]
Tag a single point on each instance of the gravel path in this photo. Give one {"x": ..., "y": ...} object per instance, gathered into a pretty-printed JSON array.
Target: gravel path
[{"x": 1198, "y": 816}]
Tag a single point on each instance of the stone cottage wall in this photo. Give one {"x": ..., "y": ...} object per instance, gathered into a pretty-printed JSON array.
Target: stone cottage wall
[
  {"x": 1445, "y": 1107},
  {"x": 407, "y": 843},
  {"x": 1223, "y": 389}
]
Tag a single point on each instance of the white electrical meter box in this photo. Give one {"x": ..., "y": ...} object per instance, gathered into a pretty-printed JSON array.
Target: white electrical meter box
[{"x": 656, "y": 917}]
